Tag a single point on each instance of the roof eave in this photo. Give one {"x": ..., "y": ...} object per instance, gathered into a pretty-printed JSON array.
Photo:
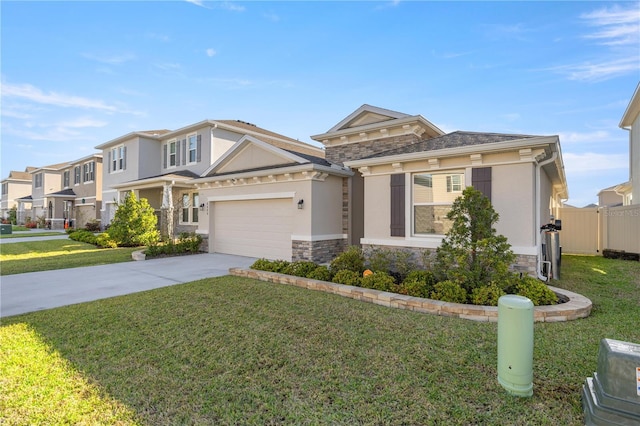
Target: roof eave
[
  {"x": 632, "y": 111},
  {"x": 373, "y": 126}
]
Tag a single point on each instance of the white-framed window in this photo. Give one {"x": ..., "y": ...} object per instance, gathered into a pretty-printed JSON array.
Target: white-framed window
[
  {"x": 192, "y": 147},
  {"x": 190, "y": 207},
  {"x": 5, "y": 188},
  {"x": 454, "y": 183},
  {"x": 173, "y": 148},
  {"x": 38, "y": 180},
  {"x": 118, "y": 158},
  {"x": 432, "y": 195},
  {"x": 66, "y": 179},
  {"x": 88, "y": 170},
  {"x": 76, "y": 175}
]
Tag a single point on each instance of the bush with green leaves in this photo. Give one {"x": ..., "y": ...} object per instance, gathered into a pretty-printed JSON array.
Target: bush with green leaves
[
  {"x": 471, "y": 253},
  {"x": 300, "y": 268},
  {"x": 187, "y": 243},
  {"x": 487, "y": 295},
  {"x": 321, "y": 273},
  {"x": 351, "y": 260},
  {"x": 270, "y": 265},
  {"x": 92, "y": 226},
  {"x": 105, "y": 241},
  {"x": 378, "y": 258},
  {"x": 449, "y": 291},
  {"x": 134, "y": 223},
  {"x": 84, "y": 237},
  {"x": 536, "y": 291},
  {"x": 347, "y": 277},
  {"x": 379, "y": 281},
  {"x": 418, "y": 283}
]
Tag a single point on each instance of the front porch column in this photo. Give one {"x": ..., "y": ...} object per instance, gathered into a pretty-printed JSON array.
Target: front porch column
[{"x": 166, "y": 210}]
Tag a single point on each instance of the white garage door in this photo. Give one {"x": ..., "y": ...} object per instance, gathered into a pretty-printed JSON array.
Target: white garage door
[{"x": 254, "y": 228}]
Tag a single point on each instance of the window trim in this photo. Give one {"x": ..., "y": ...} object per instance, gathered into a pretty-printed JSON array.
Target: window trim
[
  {"x": 190, "y": 207},
  {"x": 38, "y": 180},
  {"x": 172, "y": 143},
  {"x": 77, "y": 175},
  {"x": 88, "y": 172},
  {"x": 117, "y": 159},
  {"x": 66, "y": 179},
  {"x": 192, "y": 137}
]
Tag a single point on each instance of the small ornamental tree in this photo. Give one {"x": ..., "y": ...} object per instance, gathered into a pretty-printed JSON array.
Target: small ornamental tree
[
  {"x": 134, "y": 223},
  {"x": 472, "y": 254}
]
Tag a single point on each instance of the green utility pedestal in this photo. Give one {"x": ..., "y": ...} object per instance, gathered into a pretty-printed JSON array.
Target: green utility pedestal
[
  {"x": 5, "y": 229},
  {"x": 515, "y": 344}
]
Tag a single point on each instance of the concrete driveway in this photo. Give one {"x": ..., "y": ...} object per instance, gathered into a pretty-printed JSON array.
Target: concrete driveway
[{"x": 36, "y": 291}]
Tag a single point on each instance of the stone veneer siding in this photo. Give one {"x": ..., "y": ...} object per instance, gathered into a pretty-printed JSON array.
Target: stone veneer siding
[
  {"x": 358, "y": 150},
  {"x": 575, "y": 306},
  {"x": 317, "y": 251},
  {"x": 422, "y": 257}
]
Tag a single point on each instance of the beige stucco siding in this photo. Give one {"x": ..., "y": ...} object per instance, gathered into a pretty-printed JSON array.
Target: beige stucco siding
[
  {"x": 512, "y": 189},
  {"x": 377, "y": 212},
  {"x": 251, "y": 157},
  {"x": 326, "y": 207}
]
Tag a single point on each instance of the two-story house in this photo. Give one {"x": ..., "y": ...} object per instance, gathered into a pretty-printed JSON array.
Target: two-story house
[
  {"x": 161, "y": 166},
  {"x": 46, "y": 180},
  {"x": 16, "y": 193},
  {"x": 79, "y": 199}
]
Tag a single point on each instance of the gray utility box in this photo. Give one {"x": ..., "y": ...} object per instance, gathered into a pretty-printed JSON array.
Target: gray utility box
[
  {"x": 5, "y": 229},
  {"x": 612, "y": 395}
]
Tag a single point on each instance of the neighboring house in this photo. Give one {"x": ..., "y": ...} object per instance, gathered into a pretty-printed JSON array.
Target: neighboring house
[
  {"x": 412, "y": 173},
  {"x": 79, "y": 199},
  {"x": 15, "y": 187},
  {"x": 631, "y": 122},
  {"x": 162, "y": 166},
  {"x": 617, "y": 195},
  {"x": 46, "y": 180}
]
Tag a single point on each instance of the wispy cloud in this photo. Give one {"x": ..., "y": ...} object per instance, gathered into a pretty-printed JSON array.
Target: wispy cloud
[
  {"x": 581, "y": 138},
  {"x": 271, "y": 16},
  {"x": 617, "y": 29},
  {"x": 211, "y": 52},
  {"x": 34, "y": 94},
  {"x": 156, "y": 36},
  {"x": 110, "y": 59},
  {"x": 82, "y": 122},
  {"x": 599, "y": 71},
  {"x": 615, "y": 25},
  {"x": 231, "y": 6},
  {"x": 386, "y": 5},
  {"x": 590, "y": 162}
]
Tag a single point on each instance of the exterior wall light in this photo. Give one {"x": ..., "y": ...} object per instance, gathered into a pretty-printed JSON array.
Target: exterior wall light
[
  {"x": 300, "y": 204},
  {"x": 202, "y": 207}
]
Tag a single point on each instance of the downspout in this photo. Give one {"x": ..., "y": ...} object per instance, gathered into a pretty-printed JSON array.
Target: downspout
[{"x": 538, "y": 225}]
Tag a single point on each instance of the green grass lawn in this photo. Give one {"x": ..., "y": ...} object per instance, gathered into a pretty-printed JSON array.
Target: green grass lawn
[
  {"x": 30, "y": 234},
  {"x": 237, "y": 351},
  {"x": 33, "y": 256}
]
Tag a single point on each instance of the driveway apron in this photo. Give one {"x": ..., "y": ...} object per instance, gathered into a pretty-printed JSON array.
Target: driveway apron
[{"x": 34, "y": 291}]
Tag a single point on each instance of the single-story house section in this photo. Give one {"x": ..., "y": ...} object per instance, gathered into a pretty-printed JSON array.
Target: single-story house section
[
  {"x": 616, "y": 195},
  {"x": 412, "y": 172},
  {"x": 268, "y": 201}
]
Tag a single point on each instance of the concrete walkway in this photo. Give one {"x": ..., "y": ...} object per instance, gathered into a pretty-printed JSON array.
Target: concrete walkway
[
  {"x": 36, "y": 291},
  {"x": 62, "y": 235}
]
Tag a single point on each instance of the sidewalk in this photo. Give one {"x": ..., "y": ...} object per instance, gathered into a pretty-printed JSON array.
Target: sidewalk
[
  {"x": 62, "y": 236},
  {"x": 34, "y": 291}
]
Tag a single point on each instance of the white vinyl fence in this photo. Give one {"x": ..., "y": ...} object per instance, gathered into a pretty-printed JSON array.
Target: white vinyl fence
[{"x": 591, "y": 230}]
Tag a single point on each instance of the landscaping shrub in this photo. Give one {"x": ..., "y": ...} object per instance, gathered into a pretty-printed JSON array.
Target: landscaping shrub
[
  {"x": 134, "y": 223},
  {"x": 187, "y": 243},
  {"x": 487, "y": 295},
  {"x": 31, "y": 224},
  {"x": 351, "y": 260},
  {"x": 379, "y": 281},
  {"x": 105, "y": 241},
  {"x": 347, "y": 277},
  {"x": 321, "y": 273},
  {"x": 84, "y": 237},
  {"x": 270, "y": 265},
  {"x": 537, "y": 291},
  {"x": 449, "y": 291},
  {"x": 300, "y": 268},
  {"x": 418, "y": 284},
  {"x": 379, "y": 259}
]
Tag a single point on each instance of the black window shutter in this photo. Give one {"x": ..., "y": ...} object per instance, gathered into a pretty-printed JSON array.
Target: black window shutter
[
  {"x": 397, "y": 205},
  {"x": 124, "y": 158},
  {"x": 109, "y": 162},
  {"x": 481, "y": 180},
  {"x": 198, "y": 149},
  {"x": 184, "y": 152},
  {"x": 164, "y": 156},
  {"x": 177, "y": 153}
]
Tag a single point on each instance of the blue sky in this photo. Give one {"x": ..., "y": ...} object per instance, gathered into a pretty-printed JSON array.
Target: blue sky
[{"x": 77, "y": 74}]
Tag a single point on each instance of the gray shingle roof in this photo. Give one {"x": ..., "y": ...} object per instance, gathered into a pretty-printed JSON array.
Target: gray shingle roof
[{"x": 452, "y": 140}]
